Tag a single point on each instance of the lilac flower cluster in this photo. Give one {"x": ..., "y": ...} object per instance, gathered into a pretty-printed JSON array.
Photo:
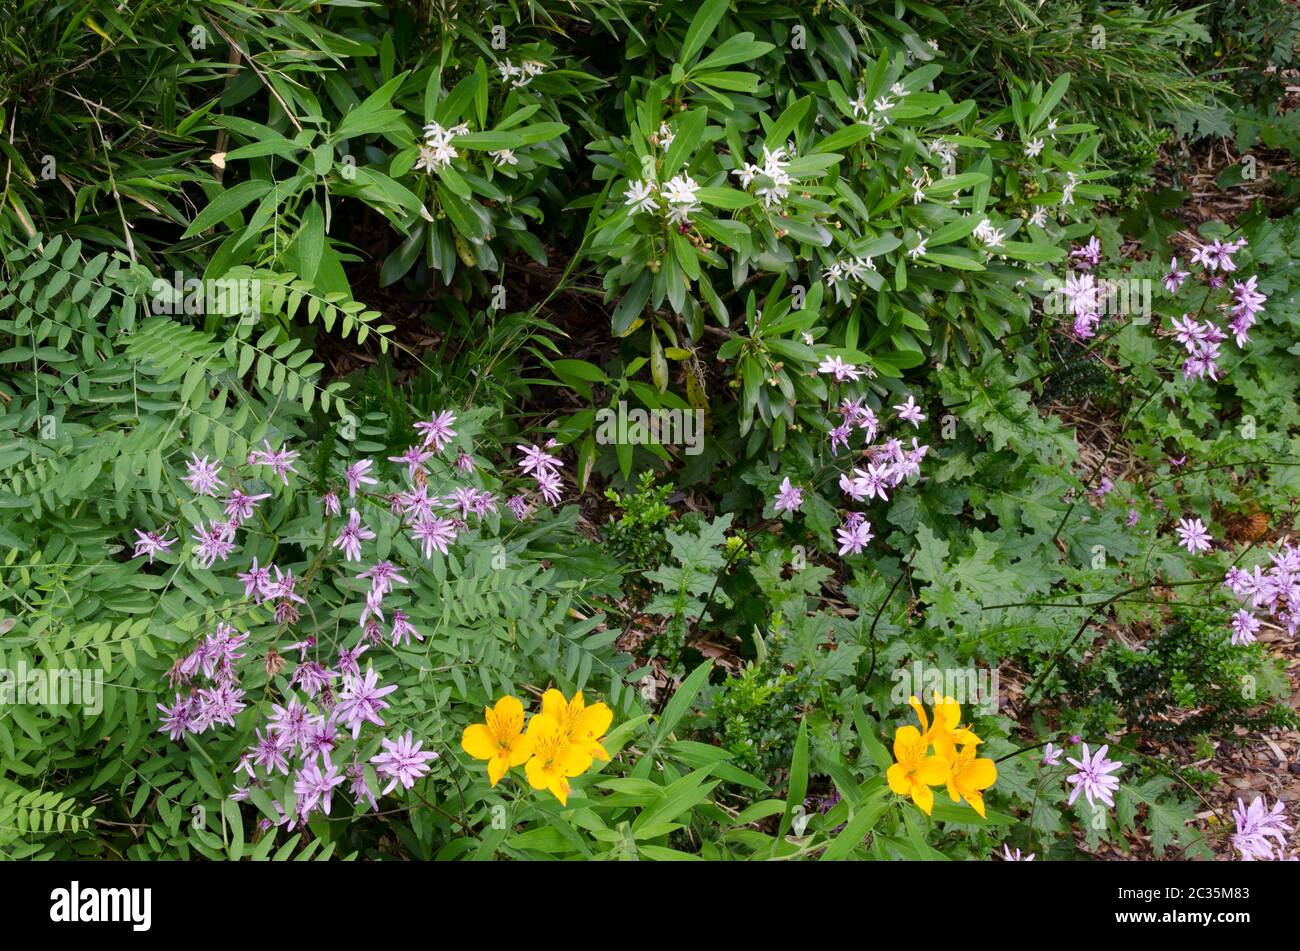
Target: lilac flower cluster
[
  {"x": 1275, "y": 592},
  {"x": 301, "y": 735},
  {"x": 222, "y": 698},
  {"x": 1082, "y": 293},
  {"x": 885, "y": 466},
  {"x": 545, "y": 470},
  {"x": 1203, "y": 339}
]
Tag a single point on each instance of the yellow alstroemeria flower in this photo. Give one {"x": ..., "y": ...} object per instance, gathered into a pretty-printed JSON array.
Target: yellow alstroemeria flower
[
  {"x": 967, "y": 776},
  {"x": 500, "y": 739},
  {"x": 584, "y": 725},
  {"x": 945, "y": 733},
  {"x": 555, "y": 759},
  {"x": 915, "y": 772}
]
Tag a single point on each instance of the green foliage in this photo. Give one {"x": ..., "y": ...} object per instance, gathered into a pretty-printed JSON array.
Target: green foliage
[
  {"x": 1186, "y": 681},
  {"x": 527, "y": 213},
  {"x": 637, "y": 537}
]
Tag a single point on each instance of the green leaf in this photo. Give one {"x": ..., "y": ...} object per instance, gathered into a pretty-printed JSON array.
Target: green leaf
[
  {"x": 226, "y": 204},
  {"x": 706, "y": 20}
]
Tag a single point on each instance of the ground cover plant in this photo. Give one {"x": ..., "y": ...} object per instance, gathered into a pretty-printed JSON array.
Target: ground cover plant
[{"x": 619, "y": 429}]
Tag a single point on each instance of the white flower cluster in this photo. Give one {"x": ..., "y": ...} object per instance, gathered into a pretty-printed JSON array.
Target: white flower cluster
[
  {"x": 521, "y": 75},
  {"x": 947, "y": 153},
  {"x": 1067, "y": 193},
  {"x": 775, "y": 169},
  {"x": 437, "y": 151},
  {"x": 848, "y": 270},
  {"x": 988, "y": 235},
  {"x": 876, "y": 116},
  {"x": 678, "y": 194}
]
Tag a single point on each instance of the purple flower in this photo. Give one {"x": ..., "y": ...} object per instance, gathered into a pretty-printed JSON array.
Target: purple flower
[
  {"x": 1193, "y": 535},
  {"x": 1188, "y": 331},
  {"x": 291, "y": 720},
  {"x": 1249, "y": 304},
  {"x": 1081, "y": 295},
  {"x": 403, "y": 630},
  {"x": 179, "y": 718},
  {"x": 840, "y": 436},
  {"x": 219, "y": 704},
  {"x": 519, "y": 507},
  {"x": 837, "y": 368},
  {"x": 1088, "y": 256},
  {"x": 1174, "y": 279},
  {"x": 788, "y": 497},
  {"x": 1244, "y": 628},
  {"x": 358, "y": 788},
  {"x": 374, "y": 607},
  {"x": 357, "y": 475},
  {"x": 1132, "y": 517},
  {"x": 348, "y": 657},
  {"x": 414, "y": 459},
  {"x": 1052, "y": 756},
  {"x": 909, "y": 462},
  {"x": 1008, "y": 855},
  {"x": 318, "y": 739},
  {"x": 215, "y": 543},
  {"x": 403, "y": 761},
  {"x": 1094, "y": 778},
  {"x": 873, "y": 481},
  {"x": 465, "y": 498},
  {"x": 314, "y": 787},
  {"x": 854, "y": 536},
  {"x": 382, "y": 576},
  {"x": 1256, "y": 825},
  {"x": 151, "y": 543},
  {"x": 861, "y": 416},
  {"x": 331, "y": 502},
  {"x": 433, "y": 532},
  {"x": 220, "y": 650},
  {"x": 271, "y": 752},
  {"x": 360, "y": 701},
  {"x": 255, "y": 581},
  {"x": 417, "y": 503},
  {"x": 1085, "y": 325},
  {"x": 537, "y": 461},
  {"x": 910, "y": 412},
  {"x": 1202, "y": 361},
  {"x": 203, "y": 477},
  {"x": 351, "y": 537},
  {"x": 239, "y": 506},
  {"x": 280, "y": 460},
  {"x": 437, "y": 432},
  {"x": 283, "y": 586},
  {"x": 549, "y": 484},
  {"x": 312, "y": 677}
]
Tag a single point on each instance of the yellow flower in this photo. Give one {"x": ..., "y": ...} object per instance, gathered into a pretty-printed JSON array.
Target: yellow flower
[
  {"x": 967, "y": 776},
  {"x": 500, "y": 740},
  {"x": 583, "y": 725},
  {"x": 915, "y": 772},
  {"x": 555, "y": 759},
  {"x": 945, "y": 733}
]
